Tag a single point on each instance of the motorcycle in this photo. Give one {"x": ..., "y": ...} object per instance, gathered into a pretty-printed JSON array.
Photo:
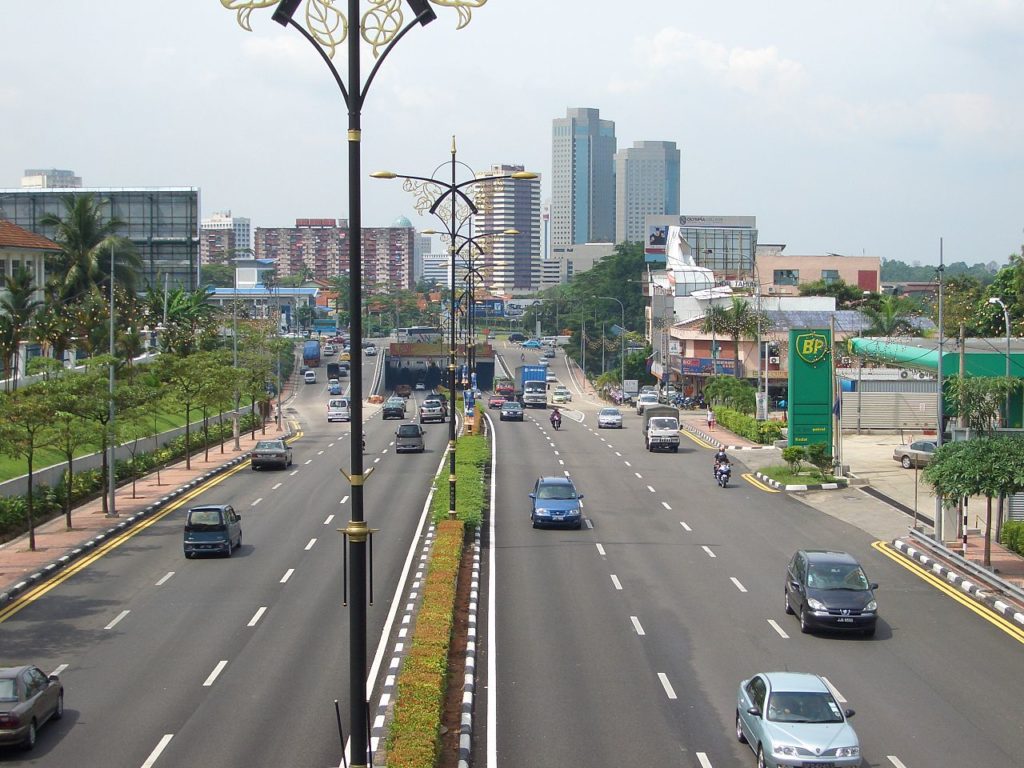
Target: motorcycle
[
  {"x": 556, "y": 422},
  {"x": 723, "y": 473}
]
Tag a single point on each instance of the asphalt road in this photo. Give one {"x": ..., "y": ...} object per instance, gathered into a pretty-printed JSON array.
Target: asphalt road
[
  {"x": 624, "y": 643},
  {"x": 227, "y": 662}
]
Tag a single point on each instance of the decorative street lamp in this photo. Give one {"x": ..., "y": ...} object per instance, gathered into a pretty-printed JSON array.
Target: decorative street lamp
[
  {"x": 1006, "y": 317},
  {"x": 448, "y": 201},
  {"x": 381, "y": 25},
  {"x": 622, "y": 340}
]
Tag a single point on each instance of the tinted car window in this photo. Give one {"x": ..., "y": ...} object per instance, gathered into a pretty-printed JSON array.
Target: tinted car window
[
  {"x": 8, "y": 689},
  {"x": 408, "y": 430},
  {"x": 836, "y": 576},
  {"x": 562, "y": 492},
  {"x": 810, "y": 707},
  {"x": 756, "y": 690},
  {"x": 205, "y": 520}
]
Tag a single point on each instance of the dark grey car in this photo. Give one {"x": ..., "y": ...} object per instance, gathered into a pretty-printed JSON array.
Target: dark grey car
[
  {"x": 28, "y": 698},
  {"x": 272, "y": 453},
  {"x": 827, "y": 589}
]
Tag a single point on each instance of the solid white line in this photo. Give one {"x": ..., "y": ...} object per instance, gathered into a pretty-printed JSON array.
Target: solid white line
[
  {"x": 59, "y": 669},
  {"x": 310, "y": 545},
  {"x": 343, "y": 499},
  {"x": 164, "y": 579},
  {"x": 777, "y": 628},
  {"x": 739, "y": 586},
  {"x": 120, "y": 616},
  {"x": 257, "y": 616},
  {"x": 257, "y": 501},
  {"x": 702, "y": 758},
  {"x": 276, "y": 486},
  {"x": 636, "y": 626},
  {"x": 685, "y": 526},
  {"x": 669, "y": 691},
  {"x": 616, "y": 582},
  {"x": 638, "y": 476},
  {"x": 835, "y": 691},
  {"x": 708, "y": 550},
  {"x": 492, "y": 619},
  {"x": 600, "y": 550},
  {"x": 151, "y": 760},
  {"x": 287, "y": 575},
  {"x": 666, "y": 506},
  {"x": 216, "y": 671},
  {"x": 651, "y": 489},
  {"x": 896, "y": 761},
  {"x": 328, "y": 520}
]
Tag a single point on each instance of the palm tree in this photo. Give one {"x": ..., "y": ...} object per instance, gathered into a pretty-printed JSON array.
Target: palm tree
[
  {"x": 191, "y": 320},
  {"x": 738, "y": 321},
  {"x": 893, "y": 317},
  {"x": 83, "y": 264},
  {"x": 18, "y": 305}
]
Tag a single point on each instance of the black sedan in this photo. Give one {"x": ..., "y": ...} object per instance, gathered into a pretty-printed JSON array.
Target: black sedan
[
  {"x": 28, "y": 698},
  {"x": 829, "y": 590},
  {"x": 511, "y": 411}
]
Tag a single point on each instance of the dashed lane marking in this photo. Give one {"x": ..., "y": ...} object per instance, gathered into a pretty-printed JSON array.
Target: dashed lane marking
[
  {"x": 702, "y": 758},
  {"x": 158, "y": 750},
  {"x": 327, "y": 520},
  {"x": 615, "y": 582},
  {"x": 216, "y": 671},
  {"x": 164, "y": 579},
  {"x": 686, "y": 528},
  {"x": 739, "y": 586},
  {"x": 669, "y": 690},
  {"x": 600, "y": 550},
  {"x": 636, "y": 625},
  {"x": 708, "y": 550},
  {"x": 309, "y": 546},
  {"x": 257, "y": 616},
  {"x": 287, "y": 575},
  {"x": 775, "y": 625},
  {"x": 276, "y": 486},
  {"x": 117, "y": 620}
]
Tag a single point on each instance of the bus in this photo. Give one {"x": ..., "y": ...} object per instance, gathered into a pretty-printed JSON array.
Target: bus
[{"x": 419, "y": 334}]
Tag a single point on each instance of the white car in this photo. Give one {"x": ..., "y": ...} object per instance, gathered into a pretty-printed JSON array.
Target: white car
[
  {"x": 551, "y": 376},
  {"x": 338, "y": 409},
  {"x": 648, "y": 398},
  {"x": 563, "y": 391},
  {"x": 609, "y": 418},
  {"x": 309, "y": 377}
]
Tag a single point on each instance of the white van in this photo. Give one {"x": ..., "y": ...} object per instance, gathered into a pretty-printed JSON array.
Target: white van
[
  {"x": 310, "y": 377},
  {"x": 338, "y": 409}
]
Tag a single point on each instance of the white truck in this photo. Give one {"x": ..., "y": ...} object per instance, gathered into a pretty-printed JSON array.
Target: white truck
[{"x": 661, "y": 428}]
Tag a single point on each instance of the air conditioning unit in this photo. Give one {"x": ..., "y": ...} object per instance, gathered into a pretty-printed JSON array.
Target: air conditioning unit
[
  {"x": 921, "y": 375},
  {"x": 773, "y": 361},
  {"x": 904, "y": 374},
  {"x": 771, "y": 289}
]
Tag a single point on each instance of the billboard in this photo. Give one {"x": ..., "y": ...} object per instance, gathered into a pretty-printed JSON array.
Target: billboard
[{"x": 810, "y": 387}]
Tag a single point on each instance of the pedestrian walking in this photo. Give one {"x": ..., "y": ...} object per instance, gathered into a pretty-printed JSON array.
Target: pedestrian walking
[{"x": 711, "y": 419}]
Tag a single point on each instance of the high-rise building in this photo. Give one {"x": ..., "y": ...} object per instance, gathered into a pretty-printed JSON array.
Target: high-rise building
[
  {"x": 646, "y": 184},
  {"x": 512, "y": 262},
  {"x": 216, "y": 245},
  {"x": 582, "y": 178},
  {"x": 50, "y": 178}
]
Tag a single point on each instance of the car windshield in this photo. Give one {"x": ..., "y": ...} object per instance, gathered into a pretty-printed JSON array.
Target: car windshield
[
  {"x": 558, "y": 492},
  {"x": 204, "y": 519},
  {"x": 609, "y": 412},
  {"x": 837, "y": 576},
  {"x": 408, "y": 430},
  {"x": 269, "y": 445},
  {"x": 817, "y": 707},
  {"x": 649, "y": 398},
  {"x": 663, "y": 423},
  {"x": 8, "y": 690},
  {"x": 510, "y": 407}
]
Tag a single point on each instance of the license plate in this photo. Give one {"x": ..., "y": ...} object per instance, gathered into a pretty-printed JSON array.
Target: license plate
[
  {"x": 817, "y": 765},
  {"x": 843, "y": 620}
]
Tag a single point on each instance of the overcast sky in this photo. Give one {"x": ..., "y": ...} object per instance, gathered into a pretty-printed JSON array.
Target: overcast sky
[{"x": 872, "y": 128}]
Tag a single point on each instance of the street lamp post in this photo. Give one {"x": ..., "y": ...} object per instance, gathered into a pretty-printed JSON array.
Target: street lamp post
[
  {"x": 1006, "y": 317},
  {"x": 622, "y": 340},
  {"x": 112, "y": 480},
  {"x": 448, "y": 201}
]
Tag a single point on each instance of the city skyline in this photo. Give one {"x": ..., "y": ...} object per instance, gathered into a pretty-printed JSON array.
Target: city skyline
[{"x": 880, "y": 139}]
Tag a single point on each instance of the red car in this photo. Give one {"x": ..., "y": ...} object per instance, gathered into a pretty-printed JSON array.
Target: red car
[{"x": 495, "y": 401}]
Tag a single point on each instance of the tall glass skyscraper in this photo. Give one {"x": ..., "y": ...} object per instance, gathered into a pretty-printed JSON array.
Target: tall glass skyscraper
[
  {"x": 582, "y": 178},
  {"x": 646, "y": 184}
]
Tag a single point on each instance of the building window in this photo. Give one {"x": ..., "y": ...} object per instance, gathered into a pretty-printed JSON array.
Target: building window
[
  {"x": 830, "y": 276},
  {"x": 786, "y": 276}
]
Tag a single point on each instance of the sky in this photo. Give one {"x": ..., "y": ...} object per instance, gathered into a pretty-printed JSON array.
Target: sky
[{"x": 873, "y": 128}]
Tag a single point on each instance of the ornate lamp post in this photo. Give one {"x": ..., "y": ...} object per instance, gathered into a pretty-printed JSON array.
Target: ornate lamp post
[
  {"x": 381, "y": 25},
  {"x": 1006, "y": 317},
  {"x": 622, "y": 340},
  {"x": 448, "y": 201}
]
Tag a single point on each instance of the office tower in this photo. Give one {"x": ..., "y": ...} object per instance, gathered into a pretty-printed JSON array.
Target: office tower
[
  {"x": 582, "y": 178},
  {"x": 512, "y": 262},
  {"x": 221, "y": 235},
  {"x": 646, "y": 184}
]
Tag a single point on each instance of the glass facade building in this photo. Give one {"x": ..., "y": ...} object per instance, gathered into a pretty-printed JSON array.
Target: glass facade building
[
  {"x": 582, "y": 178},
  {"x": 723, "y": 244}
]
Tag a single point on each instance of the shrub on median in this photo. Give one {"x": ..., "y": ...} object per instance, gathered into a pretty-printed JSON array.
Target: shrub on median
[
  {"x": 761, "y": 432},
  {"x": 1012, "y": 536}
]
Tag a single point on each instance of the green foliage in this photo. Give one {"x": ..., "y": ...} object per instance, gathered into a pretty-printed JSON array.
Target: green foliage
[
  {"x": 793, "y": 455},
  {"x": 892, "y": 316},
  {"x": 985, "y": 466},
  {"x": 737, "y": 394},
  {"x": 894, "y": 270},
  {"x": 762, "y": 432},
  {"x": 820, "y": 457},
  {"x": 472, "y": 458},
  {"x": 844, "y": 293},
  {"x": 1012, "y": 536},
  {"x": 979, "y": 401}
]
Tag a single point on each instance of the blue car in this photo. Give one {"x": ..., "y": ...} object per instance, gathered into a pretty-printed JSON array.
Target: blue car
[
  {"x": 531, "y": 344},
  {"x": 213, "y": 529},
  {"x": 555, "y": 501}
]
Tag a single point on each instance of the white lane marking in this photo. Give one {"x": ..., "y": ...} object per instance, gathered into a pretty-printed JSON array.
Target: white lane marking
[
  {"x": 164, "y": 580},
  {"x": 669, "y": 690},
  {"x": 308, "y": 461},
  {"x": 330, "y": 445},
  {"x": 702, "y": 758},
  {"x": 708, "y": 550},
  {"x": 120, "y": 616},
  {"x": 557, "y": 453},
  {"x": 739, "y": 586},
  {"x": 310, "y": 545},
  {"x": 384, "y": 452},
  {"x": 636, "y": 626},
  {"x": 318, "y": 453},
  {"x": 328, "y": 520},
  {"x": 777, "y": 628},
  {"x": 685, "y": 526},
  {"x": 566, "y": 472},
  {"x": 615, "y": 581},
  {"x": 600, "y": 550},
  {"x": 562, "y": 463},
  {"x": 257, "y": 501},
  {"x": 638, "y": 476},
  {"x": 391, "y": 443},
  {"x": 896, "y": 761},
  {"x": 627, "y": 463},
  {"x": 276, "y": 486},
  {"x": 666, "y": 506},
  {"x": 59, "y": 669},
  {"x": 216, "y": 671},
  {"x": 835, "y": 691},
  {"x": 257, "y": 616},
  {"x": 287, "y": 575},
  {"x": 376, "y": 460},
  {"x": 651, "y": 489},
  {"x": 343, "y": 499},
  {"x": 294, "y": 473},
  {"x": 589, "y": 523},
  {"x": 618, "y": 454},
  {"x": 151, "y": 760}
]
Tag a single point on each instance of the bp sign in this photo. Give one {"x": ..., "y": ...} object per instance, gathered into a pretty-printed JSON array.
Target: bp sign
[{"x": 810, "y": 387}]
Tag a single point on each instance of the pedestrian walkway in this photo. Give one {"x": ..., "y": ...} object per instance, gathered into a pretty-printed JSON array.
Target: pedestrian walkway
[{"x": 696, "y": 423}]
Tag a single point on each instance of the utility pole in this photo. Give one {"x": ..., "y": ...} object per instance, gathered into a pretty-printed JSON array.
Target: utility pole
[{"x": 939, "y": 403}]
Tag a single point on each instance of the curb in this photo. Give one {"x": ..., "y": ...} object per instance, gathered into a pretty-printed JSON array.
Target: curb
[
  {"x": 469, "y": 680},
  {"x": 48, "y": 571},
  {"x": 724, "y": 446},
  {"x": 965, "y": 585},
  {"x": 816, "y": 487}
]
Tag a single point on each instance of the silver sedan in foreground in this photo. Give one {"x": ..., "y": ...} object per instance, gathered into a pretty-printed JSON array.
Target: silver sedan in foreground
[{"x": 610, "y": 418}]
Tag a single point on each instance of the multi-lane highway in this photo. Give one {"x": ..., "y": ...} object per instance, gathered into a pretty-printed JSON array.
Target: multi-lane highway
[
  {"x": 227, "y": 662},
  {"x": 624, "y": 643}
]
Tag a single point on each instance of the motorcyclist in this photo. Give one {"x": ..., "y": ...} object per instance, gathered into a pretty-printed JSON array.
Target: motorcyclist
[
  {"x": 721, "y": 457},
  {"x": 556, "y": 418}
]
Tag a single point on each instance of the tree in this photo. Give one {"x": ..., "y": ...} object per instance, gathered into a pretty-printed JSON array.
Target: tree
[
  {"x": 844, "y": 293},
  {"x": 217, "y": 275},
  {"x": 182, "y": 374},
  {"x": 17, "y": 304},
  {"x": 892, "y": 317},
  {"x": 304, "y": 316},
  {"x": 962, "y": 298},
  {"x": 191, "y": 323},
  {"x": 738, "y": 321},
  {"x": 25, "y": 427},
  {"x": 53, "y": 328},
  {"x": 980, "y": 400},
  {"x": 731, "y": 392},
  {"x": 72, "y": 431}
]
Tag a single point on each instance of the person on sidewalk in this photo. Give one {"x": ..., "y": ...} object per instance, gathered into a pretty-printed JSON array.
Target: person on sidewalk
[{"x": 711, "y": 419}]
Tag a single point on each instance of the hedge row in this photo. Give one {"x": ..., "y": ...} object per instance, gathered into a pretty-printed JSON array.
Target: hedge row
[
  {"x": 1013, "y": 536},
  {"x": 49, "y": 502},
  {"x": 762, "y": 432}
]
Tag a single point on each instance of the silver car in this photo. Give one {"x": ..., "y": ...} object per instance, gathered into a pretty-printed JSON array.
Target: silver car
[
  {"x": 271, "y": 453},
  {"x": 609, "y": 418},
  {"x": 918, "y": 453},
  {"x": 794, "y": 719},
  {"x": 28, "y": 698}
]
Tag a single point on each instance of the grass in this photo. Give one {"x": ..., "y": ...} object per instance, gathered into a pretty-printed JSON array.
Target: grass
[{"x": 782, "y": 474}]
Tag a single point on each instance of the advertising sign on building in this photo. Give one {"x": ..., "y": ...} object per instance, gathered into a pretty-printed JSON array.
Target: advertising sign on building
[
  {"x": 706, "y": 366},
  {"x": 810, "y": 387}
]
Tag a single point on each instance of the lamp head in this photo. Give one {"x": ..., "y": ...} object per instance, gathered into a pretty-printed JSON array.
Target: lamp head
[
  {"x": 430, "y": 232},
  {"x": 524, "y": 175},
  {"x": 423, "y": 11},
  {"x": 285, "y": 10},
  {"x": 383, "y": 175},
  {"x": 511, "y": 232},
  {"x": 994, "y": 300}
]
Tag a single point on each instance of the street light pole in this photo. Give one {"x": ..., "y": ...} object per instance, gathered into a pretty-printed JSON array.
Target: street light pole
[
  {"x": 1006, "y": 317},
  {"x": 112, "y": 480}
]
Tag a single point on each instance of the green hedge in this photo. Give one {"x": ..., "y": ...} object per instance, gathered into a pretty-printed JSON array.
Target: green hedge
[
  {"x": 1013, "y": 536},
  {"x": 48, "y": 502},
  {"x": 762, "y": 432},
  {"x": 472, "y": 456}
]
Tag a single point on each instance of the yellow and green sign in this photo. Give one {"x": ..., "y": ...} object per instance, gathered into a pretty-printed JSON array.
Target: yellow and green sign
[{"x": 810, "y": 387}]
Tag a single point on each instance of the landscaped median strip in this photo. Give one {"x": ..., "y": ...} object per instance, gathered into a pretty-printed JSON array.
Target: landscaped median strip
[{"x": 809, "y": 487}]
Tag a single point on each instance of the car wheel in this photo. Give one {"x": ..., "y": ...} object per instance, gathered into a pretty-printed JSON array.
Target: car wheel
[
  {"x": 58, "y": 713},
  {"x": 230, "y": 549},
  {"x": 788, "y": 607},
  {"x": 739, "y": 730},
  {"x": 760, "y": 757},
  {"x": 189, "y": 555},
  {"x": 804, "y": 626},
  {"x": 30, "y": 739},
  {"x": 239, "y": 544},
  {"x": 906, "y": 462},
  {"x": 253, "y": 467}
]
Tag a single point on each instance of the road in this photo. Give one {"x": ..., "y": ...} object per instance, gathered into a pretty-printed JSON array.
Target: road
[
  {"x": 227, "y": 662},
  {"x": 624, "y": 643}
]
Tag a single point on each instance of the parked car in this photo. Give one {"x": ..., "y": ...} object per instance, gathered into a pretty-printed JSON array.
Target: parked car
[
  {"x": 309, "y": 376},
  {"x": 394, "y": 408},
  {"x": 273, "y": 453},
  {"x": 827, "y": 589},
  {"x": 645, "y": 399},
  {"x": 28, "y": 699},
  {"x": 511, "y": 411},
  {"x": 409, "y": 437},
  {"x": 338, "y": 409},
  {"x": 609, "y": 418},
  {"x": 793, "y": 718},
  {"x": 555, "y": 501},
  {"x": 214, "y": 529},
  {"x": 918, "y": 453},
  {"x": 495, "y": 401}
]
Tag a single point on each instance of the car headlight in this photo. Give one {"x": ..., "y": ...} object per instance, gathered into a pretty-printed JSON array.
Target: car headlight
[
  {"x": 816, "y": 605},
  {"x": 872, "y": 606},
  {"x": 848, "y": 752},
  {"x": 785, "y": 749},
  {"x": 542, "y": 511}
]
